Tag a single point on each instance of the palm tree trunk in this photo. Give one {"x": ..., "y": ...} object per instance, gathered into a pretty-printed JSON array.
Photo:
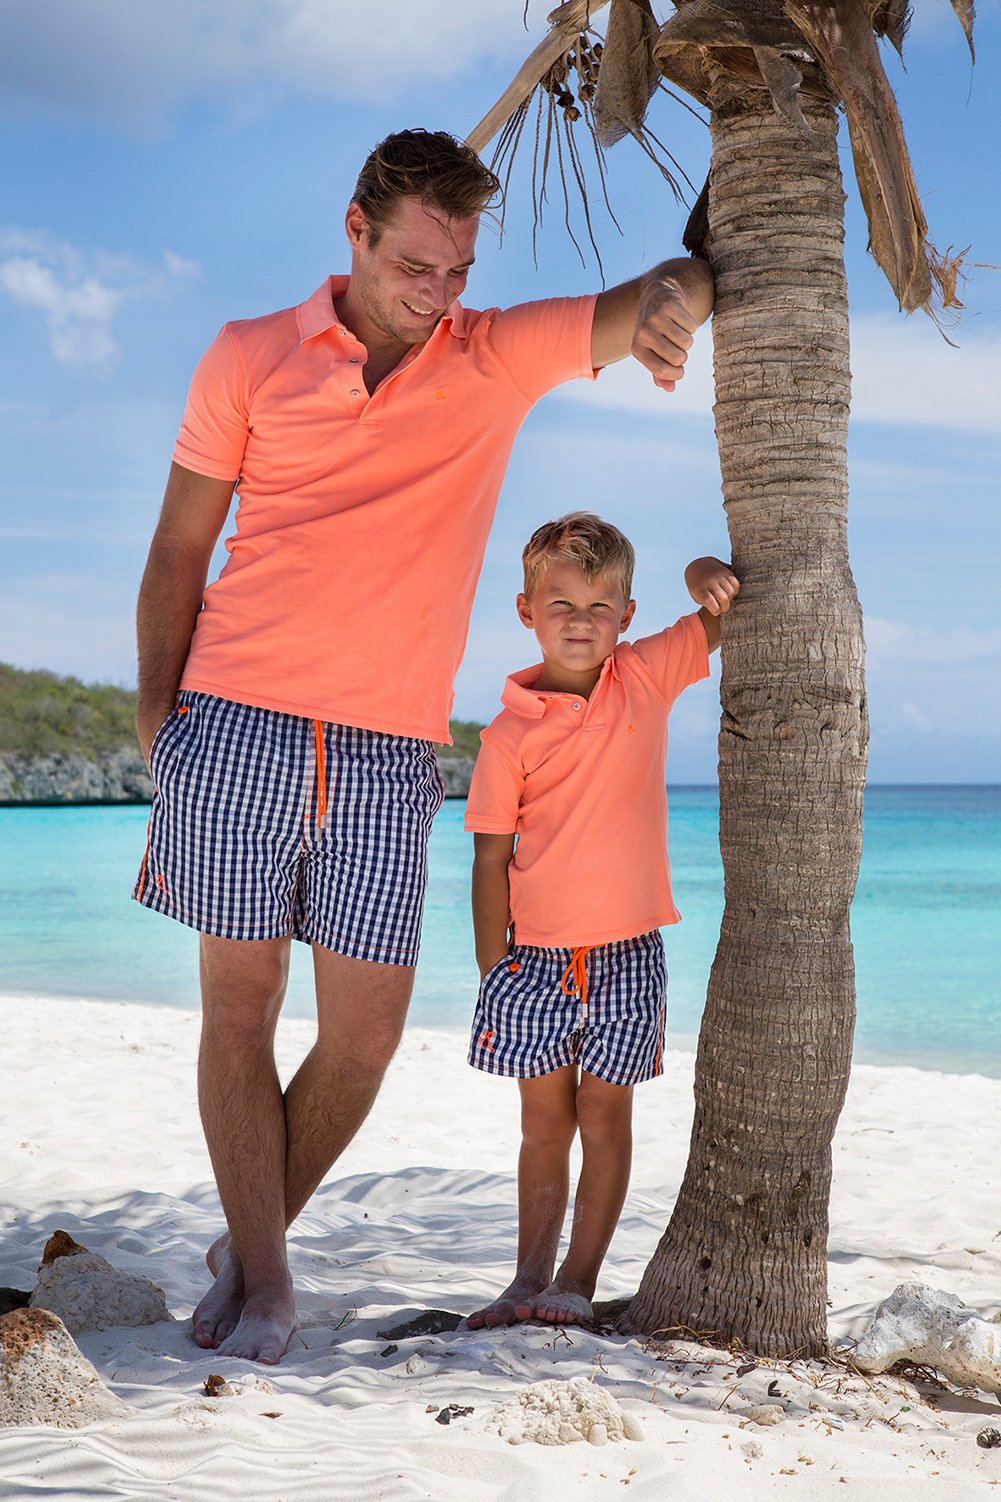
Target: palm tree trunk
[{"x": 744, "y": 1255}]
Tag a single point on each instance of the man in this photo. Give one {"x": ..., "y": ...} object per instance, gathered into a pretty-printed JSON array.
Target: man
[{"x": 288, "y": 712}]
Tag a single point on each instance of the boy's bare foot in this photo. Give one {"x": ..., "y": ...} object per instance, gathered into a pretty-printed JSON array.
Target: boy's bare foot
[
  {"x": 503, "y": 1310},
  {"x": 218, "y": 1313},
  {"x": 264, "y": 1330},
  {"x": 557, "y": 1306}
]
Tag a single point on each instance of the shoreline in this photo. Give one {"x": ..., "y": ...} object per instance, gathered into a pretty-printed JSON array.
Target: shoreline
[
  {"x": 105, "y": 1143},
  {"x": 952, "y": 1066}
]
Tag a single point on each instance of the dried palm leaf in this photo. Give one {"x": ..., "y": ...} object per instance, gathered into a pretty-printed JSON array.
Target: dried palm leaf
[
  {"x": 628, "y": 75},
  {"x": 839, "y": 32}
]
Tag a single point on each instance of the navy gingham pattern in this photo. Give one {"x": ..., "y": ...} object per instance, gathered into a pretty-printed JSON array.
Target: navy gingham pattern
[
  {"x": 525, "y": 1026},
  {"x": 236, "y": 846}
]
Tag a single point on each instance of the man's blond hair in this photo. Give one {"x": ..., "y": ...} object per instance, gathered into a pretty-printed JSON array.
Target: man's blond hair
[{"x": 580, "y": 537}]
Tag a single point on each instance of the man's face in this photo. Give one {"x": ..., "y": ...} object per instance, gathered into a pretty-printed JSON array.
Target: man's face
[{"x": 417, "y": 266}]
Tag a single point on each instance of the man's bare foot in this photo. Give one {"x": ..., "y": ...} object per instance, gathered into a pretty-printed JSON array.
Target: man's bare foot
[
  {"x": 264, "y": 1330},
  {"x": 503, "y": 1310},
  {"x": 218, "y": 1313},
  {"x": 557, "y": 1306}
]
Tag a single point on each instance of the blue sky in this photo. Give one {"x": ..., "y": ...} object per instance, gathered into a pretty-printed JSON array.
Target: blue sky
[{"x": 167, "y": 168}]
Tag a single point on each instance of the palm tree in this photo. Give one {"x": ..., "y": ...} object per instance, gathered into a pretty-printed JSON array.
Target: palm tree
[{"x": 744, "y": 1254}]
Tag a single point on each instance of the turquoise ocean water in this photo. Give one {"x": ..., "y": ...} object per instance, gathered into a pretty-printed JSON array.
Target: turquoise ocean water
[{"x": 926, "y": 923}]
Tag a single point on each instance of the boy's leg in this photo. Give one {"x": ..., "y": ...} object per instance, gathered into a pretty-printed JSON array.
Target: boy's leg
[
  {"x": 548, "y": 1127},
  {"x": 604, "y": 1117}
]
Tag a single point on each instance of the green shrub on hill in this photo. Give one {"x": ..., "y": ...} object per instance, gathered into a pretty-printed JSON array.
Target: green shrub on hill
[{"x": 41, "y": 713}]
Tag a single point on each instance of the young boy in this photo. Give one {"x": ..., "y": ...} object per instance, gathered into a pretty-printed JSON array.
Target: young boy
[{"x": 573, "y": 980}]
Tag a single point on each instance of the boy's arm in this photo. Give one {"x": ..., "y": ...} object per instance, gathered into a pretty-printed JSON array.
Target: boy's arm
[
  {"x": 491, "y": 897},
  {"x": 713, "y": 586}
]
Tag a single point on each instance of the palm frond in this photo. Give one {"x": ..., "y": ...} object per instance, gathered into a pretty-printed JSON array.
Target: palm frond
[{"x": 603, "y": 84}]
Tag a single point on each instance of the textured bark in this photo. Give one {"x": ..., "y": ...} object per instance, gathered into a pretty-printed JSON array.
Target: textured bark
[{"x": 744, "y": 1255}]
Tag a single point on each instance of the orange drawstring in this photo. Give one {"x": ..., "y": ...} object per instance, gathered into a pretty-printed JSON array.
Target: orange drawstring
[
  {"x": 321, "y": 777},
  {"x": 576, "y": 971}
]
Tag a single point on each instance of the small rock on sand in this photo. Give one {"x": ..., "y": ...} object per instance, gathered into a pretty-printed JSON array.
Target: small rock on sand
[
  {"x": 87, "y": 1293},
  {"x": 45, "y": 1379}
]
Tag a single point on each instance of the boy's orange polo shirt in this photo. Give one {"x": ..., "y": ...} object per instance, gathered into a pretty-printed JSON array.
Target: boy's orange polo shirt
[
  {"x": 581, "y": 783},
  {"x": 362, "y": 519}
]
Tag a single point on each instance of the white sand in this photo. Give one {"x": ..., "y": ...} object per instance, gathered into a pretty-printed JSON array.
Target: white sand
[{"x": 102, "y": 1140}]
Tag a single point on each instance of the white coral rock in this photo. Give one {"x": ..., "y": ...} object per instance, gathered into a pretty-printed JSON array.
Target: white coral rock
[
  {"x": 559, "y": 1413},
  {"x": 935, "y": 1329},
  {"x": 88, "y": 1293},
  {"x": 44, "y": 1379}
]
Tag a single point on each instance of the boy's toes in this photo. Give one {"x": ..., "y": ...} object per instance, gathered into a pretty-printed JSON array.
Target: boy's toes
[{"x": 560, "y": 1307}]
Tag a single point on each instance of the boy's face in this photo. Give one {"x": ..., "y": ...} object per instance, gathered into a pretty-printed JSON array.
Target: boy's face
[{"x": 577, "y": 624}]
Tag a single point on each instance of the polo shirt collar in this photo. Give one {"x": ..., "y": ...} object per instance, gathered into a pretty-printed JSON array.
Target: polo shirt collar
[
  {"x": 521, "y": 698},
  {"x": 316, "y": 314},
  {"x": 519, "y": 695}
]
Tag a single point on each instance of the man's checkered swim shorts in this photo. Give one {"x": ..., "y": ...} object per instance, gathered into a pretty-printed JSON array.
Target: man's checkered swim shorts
[
  {"x": 601, "y": 1008},
  {"x": 266, "y": 824}
]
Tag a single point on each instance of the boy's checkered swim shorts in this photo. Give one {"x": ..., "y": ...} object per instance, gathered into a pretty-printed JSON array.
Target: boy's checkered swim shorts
[
  {"x": 526, "y": 1023},
  {"x": 266, "y": 824}
]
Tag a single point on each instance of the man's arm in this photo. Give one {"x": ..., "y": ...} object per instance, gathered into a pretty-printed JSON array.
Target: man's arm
[
  {"x": 170, "y": 596},
  {"x": 654, "y": 318},
  {"x": 491, "y": 897},
  {"x": 713, "y": 586}
]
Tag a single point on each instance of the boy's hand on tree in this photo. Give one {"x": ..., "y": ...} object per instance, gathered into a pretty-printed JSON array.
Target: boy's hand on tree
[{"x": 712, "y": 584}]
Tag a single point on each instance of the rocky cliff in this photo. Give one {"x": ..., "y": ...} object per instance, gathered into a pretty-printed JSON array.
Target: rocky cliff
[{"x": 120, "y": 776}]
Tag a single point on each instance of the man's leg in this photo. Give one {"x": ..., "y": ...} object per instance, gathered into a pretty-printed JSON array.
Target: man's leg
[
  {"x": 548, "y": 1128},
  {"x": 361, "y": 1008},
  {"x": 250, "y": 1310}
]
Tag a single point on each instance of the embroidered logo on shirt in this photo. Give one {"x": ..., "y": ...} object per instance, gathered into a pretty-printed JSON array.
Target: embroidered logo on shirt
[
  {"x": 630, "y": 729},
  {"x": 440, "y": 396}
]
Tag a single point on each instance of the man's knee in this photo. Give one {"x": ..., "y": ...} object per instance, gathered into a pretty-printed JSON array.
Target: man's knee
[
  {"x": 369, "y": 1047},
  {"x": 243, "y": 983}
]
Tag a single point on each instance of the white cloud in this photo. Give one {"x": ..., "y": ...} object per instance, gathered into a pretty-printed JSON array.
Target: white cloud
[
  {"x": 178, "y": 266},
  {"x": 79, "y": 293},
  {"x": 916, "y": 718},
  {"x": 904, "y": 373},
  {"x": 628, "y": 387},
  {"x": 893, "y": 642},
  {"x": 132, "y": 64}
]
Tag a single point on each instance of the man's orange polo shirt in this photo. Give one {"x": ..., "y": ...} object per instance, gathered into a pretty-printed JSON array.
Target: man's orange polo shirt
[
  {"x": 362, "y": 519},
  {"x": 581, "y": 783}
]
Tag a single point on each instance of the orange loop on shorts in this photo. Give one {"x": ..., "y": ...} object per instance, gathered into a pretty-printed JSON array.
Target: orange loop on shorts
[
  {"x": 576, "y": 972},
  {"x": 321, "y": 776}
]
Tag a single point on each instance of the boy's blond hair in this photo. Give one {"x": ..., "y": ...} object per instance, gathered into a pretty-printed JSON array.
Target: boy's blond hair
[{"x": 580, "y": 537}]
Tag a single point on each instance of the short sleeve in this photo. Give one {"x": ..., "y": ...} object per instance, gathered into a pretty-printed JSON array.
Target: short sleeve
[
  {"x": 494, "y": 792},
  {"x": 542, "y": 344},
  {"x": 677, "y": 657},
  {"x": 216, "y": 420}
]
